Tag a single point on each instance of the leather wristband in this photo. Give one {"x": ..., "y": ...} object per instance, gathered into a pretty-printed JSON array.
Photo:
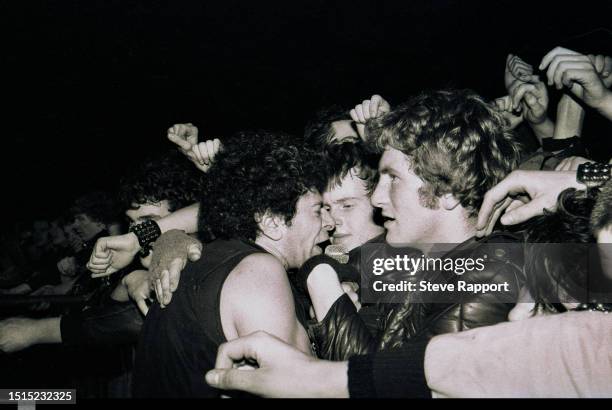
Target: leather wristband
[
  {"x": 550, "y": 144},
  {"x": 593, "y": 174},
  {"x": 147, "y": 232}
]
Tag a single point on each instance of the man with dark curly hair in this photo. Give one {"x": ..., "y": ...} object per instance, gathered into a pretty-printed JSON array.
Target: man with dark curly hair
[{"x": 262, "y": 204}]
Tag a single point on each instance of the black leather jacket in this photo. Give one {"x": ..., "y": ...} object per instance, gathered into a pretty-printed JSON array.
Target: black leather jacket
[{"x": 343, "y": 332}]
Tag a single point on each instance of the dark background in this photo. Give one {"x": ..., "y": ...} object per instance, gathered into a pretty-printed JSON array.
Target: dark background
[{"x": 91, "y": 86}]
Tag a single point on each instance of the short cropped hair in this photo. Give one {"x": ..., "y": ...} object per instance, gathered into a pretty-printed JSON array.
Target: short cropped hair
[
  {"x": 255, "y": 173},
  {"x": 457, "y": 143},
  {"x": 342, "y": 158}
]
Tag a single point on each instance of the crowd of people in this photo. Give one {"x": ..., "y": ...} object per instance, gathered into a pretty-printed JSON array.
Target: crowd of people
[{"x": 243, "y": 268}]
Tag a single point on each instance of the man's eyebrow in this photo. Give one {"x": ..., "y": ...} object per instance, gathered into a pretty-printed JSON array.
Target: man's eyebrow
[{"x": 349, "y": 198}]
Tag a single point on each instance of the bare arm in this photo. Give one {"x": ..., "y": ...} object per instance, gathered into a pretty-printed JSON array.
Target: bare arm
[
  {"x": 185, "y": 219},
  {"x": 570, "y": 117},
  {"x": 257, "y": 296}
]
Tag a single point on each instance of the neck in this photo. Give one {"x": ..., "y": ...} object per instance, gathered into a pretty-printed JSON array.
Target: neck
[
  {"x": 273, "y": 249},
  {"x": 455, "y": 228}
]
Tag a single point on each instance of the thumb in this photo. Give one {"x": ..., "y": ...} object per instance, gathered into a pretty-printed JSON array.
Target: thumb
[
  {"x": 230, "y": 379},
  {"x": 142, "y": 306},
  {"x": 194, "y": 252}
]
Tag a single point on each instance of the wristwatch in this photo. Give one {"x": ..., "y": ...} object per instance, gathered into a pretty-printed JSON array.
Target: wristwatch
[
  {"x": 147, "y": 232},
  {"x": 593, "y": 174}
]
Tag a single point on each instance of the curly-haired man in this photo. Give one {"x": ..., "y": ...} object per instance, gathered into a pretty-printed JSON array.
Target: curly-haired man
[{"x": 262, "y": 204}]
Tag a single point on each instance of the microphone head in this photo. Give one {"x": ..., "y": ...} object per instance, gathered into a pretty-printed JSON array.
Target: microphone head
[{"x": 337, "y": 252}]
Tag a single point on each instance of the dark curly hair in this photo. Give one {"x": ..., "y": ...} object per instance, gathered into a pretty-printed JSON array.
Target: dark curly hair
[
  {"x": 457, "y": 144},
  {"x": 318, "y": 132},
  {"x": 169, "y": 177},
  {"x": 341, "y": 158},
  {"x": 557, "y": 251},
  {"x": 255, "y": 173}
]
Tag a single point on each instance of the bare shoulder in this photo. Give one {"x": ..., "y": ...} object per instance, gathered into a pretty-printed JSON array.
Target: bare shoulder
[{"x": 258, "y": 271}]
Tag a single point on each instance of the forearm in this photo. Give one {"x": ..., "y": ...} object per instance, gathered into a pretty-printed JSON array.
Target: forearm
[
  {"x": 324, "y": 289},
  {"x": 543, "y": 130},
  {"x": 185, "y": 219},
  {"x": 48, "y": 331},
  {"x": 325, "y": 379},
  {"x": 526, "y": 353},
  {"x": 570, "y": 117},
  {"x": 605, "y": 107}
]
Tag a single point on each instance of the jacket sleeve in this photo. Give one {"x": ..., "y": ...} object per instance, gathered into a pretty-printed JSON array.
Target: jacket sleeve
[{"x": 342, "y": 333}]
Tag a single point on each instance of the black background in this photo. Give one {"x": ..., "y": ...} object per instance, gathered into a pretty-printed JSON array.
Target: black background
[{"x": 91, "y": 86}]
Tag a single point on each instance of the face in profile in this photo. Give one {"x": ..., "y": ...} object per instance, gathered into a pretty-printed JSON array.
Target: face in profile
[
  {"x": 305, "y": 231},
  {"x": 351, "y": 211},
  {"x": 407, "y": 218}
]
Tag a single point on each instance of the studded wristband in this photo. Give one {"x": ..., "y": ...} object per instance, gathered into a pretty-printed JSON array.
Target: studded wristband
[
  {"x": 147, "y": 232},
  {"x": 593, "y": 174}
]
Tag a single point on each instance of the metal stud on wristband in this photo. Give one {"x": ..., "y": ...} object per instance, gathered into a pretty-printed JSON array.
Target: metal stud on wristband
[
  {"x": 147, "y": 232},
  {"x": 593, "y": 174}
]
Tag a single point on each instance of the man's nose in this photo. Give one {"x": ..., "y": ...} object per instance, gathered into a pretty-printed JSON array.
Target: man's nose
[
  {"x": 328, "y": 221},
  {"x": 379, "y": 196}
]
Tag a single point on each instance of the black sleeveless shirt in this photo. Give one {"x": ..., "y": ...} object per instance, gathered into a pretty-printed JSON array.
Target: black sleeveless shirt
[{"x": 178, "y": 344}]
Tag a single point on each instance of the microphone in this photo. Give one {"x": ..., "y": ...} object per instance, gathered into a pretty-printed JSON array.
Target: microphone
[{"x": 338, "y": 253}]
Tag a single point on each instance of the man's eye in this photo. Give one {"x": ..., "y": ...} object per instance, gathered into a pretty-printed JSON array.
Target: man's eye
[{"x": 347, "y": 206}]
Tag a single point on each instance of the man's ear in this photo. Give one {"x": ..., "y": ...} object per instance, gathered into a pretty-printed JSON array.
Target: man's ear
[
  {"x": 449, "y": 202},
  {"x": 270, "y": 225}
]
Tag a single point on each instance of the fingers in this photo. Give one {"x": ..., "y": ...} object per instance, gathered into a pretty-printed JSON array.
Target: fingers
[
  {"x": 523, "y": 212},
  {"x": 517, "y": 91},
  {"x": 497, "y": 211},
  {"x": 198, "y": 154},
  {"x": 194, "y": 251},
  {"x": 182, "y": 143},
  {"x": 174, "y": 275},
  {"x": 236, "y": 350},
  {"x": 159, "y": 293},
  {"x": 519, "y": 68},
  {"x": 165, "y": 287},
  {"x": 549, "y": 57},
  {"x": 234, "y": 379},
  {"x": 495, "y": 196},
  {"x": 142, "y": 306},
  {"x": 359, "y": 112},
  {"x": 368, "y": 109},
  {"x": 109, "y": 271},
  {"x": 598, "y": 62}
]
